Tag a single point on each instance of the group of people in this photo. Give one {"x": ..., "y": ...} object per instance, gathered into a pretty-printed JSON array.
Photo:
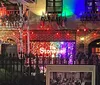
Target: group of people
[
  {"x": 90, "y": 16},
  {"x": 71, "y": 81},
  {"x": 82, "y": 58},
  {"x": 60, "y": 20},
  {"x": 12, "y": 18}
]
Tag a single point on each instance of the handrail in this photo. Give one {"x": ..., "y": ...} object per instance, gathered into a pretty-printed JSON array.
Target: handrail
[{"x": 11, "y": 19}]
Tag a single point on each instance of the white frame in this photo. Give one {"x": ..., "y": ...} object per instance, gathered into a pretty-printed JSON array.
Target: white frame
[{"x": 70, "y": 68}]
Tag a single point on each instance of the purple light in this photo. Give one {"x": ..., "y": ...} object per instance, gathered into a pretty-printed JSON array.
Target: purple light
[
  {"x": 63, "y": 51},
  {"x": 62, "y": 42},
  {"x": 56, "y": 49},
  {"x": 70, "y": 49},
  {"x": 67, "y": 50}
]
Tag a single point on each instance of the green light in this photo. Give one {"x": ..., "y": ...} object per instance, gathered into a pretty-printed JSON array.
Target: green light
[
  {"x": 68, "y": 8},
  {"x": 67, "y": 12}
]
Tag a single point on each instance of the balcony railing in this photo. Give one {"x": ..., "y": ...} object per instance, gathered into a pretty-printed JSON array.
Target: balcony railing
[
  {"x": 90, "y": 16},
  {"x": 11, "y": 19}
]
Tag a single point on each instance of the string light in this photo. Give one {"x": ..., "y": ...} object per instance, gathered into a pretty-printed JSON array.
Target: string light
[
  {"x": 41, "y": 26},
  {"x": 67, "y": 34},
  {"x": 32, "y": 32},
  {"x": 85, "y": 29},
  {"x": 78, "y": 30},
  {"x": 94, "y": 34},
  {"x": 13, "y": 33},
  {"x": 47, "y": 29},
  {"x": 57, "y": 33},
  {"x": 82, "y": 38}
]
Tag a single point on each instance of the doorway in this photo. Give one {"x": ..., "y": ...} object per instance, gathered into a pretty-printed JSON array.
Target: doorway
[
  {"x": 94, "y": 47},
  {"x": 9, "y": 48}
]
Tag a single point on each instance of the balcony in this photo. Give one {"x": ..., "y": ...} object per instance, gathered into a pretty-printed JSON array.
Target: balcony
[{"x": 10, "y": 19}]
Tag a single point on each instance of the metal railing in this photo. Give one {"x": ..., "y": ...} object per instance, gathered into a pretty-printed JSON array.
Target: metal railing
[
  {"x": 89, "y": 16},
  {"x": 26, "y": 70},
  {"x": 11, "y": 19}
]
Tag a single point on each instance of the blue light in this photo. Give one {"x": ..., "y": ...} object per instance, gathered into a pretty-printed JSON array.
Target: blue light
[
  {"x": 73, "y": 7},
  {"x": 79, "y": 7}
]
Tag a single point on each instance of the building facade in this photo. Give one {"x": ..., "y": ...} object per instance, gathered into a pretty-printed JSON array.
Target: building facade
[{"x": 37, "y": 29}]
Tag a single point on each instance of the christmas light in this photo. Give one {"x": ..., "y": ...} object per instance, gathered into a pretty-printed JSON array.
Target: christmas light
[
  {"x": 55, "y": 49},
  {"x": 32, "y": 32},
  {"x": 85, "y": 29},
  {"x": 94, "y": 34},
  {"x": 77, "y": 30},
  {"x": 13, "y": 33},
  {"x": 82, "y": 38},
  {"x": 57, "y": 33},
  {"x": 67, "y": 34}
]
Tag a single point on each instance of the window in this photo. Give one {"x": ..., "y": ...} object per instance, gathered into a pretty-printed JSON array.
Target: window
[
  {"x": 54, "y": 6},
  {"x": 92, "y": 6}
]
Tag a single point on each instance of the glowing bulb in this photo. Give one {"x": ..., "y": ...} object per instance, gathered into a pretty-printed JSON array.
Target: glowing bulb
[
  {"x": 82, "y": 38},
  {"x": 62, "y": 42},
  {"x": 57, "y": 33},
  {"x": 77, "y": 30},
  {"x": 85, "y": 29},
  {"x": 53, "y": 55},
  {"x": 94, "y": 34},
  {"x": 67, "y": 34}
]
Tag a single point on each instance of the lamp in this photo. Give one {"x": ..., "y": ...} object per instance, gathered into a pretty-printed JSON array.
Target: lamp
[
  {"x": 82, "y": 39},
  {"x": 81, "y": 46}
]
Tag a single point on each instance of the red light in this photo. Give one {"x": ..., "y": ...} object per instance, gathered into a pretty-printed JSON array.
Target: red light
[
  {"x": 57, "y": 33},
  {"x": 78, "y": 30},
  {"x": 41, "y": 26},
  {"x": 85, "y": 29},
  {"x": 94, "y": 34},
  {"x": 48, "y": 29},
  {"x": 67, "y": 34},
  {"x": 13, "y": 33},
  {"x": 2, "y": 11}
]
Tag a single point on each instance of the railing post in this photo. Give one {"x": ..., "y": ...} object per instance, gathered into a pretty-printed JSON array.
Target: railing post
[{"x": 28, "y": 34}]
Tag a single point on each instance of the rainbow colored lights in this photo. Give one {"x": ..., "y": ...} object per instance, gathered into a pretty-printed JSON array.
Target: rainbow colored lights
[
  {"x": 55, "y": 49},
  {"x": 73, "y": 7}
]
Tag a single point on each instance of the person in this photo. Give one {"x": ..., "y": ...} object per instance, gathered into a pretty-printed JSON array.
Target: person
[
  {"x": 90, "y": 61},
  {"x": 83, "y": 82},
  {"x": 93, "y": 59},
  {"x": 77, "y": 82},
  {"x": 81, "y": 57},
  {"x": 88, "y": 83}
]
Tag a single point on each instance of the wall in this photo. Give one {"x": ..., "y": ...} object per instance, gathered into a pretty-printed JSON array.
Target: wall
[
  {"x": 38, "y": 7},
  {"x": 50, "y": 36}
]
